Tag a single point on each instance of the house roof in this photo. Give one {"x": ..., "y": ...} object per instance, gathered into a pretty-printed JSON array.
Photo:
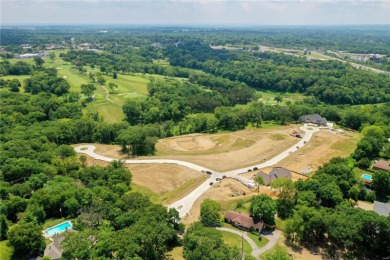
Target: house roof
[
  {"x": 315, "y": 119},
  {"x": 243, "y": 220},
  {"x": 382, "y": 165},
  {"x": 276, "y": 173},
  {"x": 382, "y": 208},
  {"x": 54, "y": 249},
  {"x": 266, "y": 177}
]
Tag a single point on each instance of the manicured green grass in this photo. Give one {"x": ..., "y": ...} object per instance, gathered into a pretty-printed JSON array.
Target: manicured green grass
[
  {"x": 5, "y": 251},
  {"x": 52, "y": 222},
  {"x": 277, "y": 250},
  {"x": 280, "y": 224},
  {"x": 235, "y": 240},
  {"x": 255, "y": 238},
  {"x": 73, "y": 76},
  {"x": 267, "y": 97}
]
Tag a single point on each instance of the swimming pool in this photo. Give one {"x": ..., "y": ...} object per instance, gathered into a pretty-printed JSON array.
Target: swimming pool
[
  {"x": 59, "y": 228},
  {"x": 367, "y": 177}
]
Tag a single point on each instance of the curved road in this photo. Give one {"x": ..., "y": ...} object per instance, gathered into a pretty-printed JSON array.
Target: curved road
[
  {"x": 185, "y": 204},
  {"x": 256, "y": 251}
]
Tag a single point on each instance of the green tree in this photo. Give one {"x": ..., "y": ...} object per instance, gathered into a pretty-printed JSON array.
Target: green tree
[
  {"x": 279, "y": 253},
  {"x": 101, "y": 80},
  {"x": 278, "y": 99},
  {"x": 263, "y": 208},
  {"x": 26, "y": 238},
  {"x": 83, "y": 160},
  {"x": 259, "y": 182},
  {"x": 52, "y": 56},
  {"x": 3, "y": 227},
  {"x": 209, "y": 213},
  {"x": 112, "y": 86},
  {"x": 114, "y": 75},
  {"x": 38, "y": 62},
  {"x": 286, "y": 197},
  {"x": 381, "y": 184},
  {"x": 88, "y": 89},
  {"x": 206, "y": 243}
]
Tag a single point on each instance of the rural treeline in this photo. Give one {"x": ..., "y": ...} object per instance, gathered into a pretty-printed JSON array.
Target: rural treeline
[{"x": 202, "y": 90}]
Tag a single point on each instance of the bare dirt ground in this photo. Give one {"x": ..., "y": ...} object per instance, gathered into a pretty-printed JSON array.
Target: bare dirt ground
[
  {"x": 223, "y": 152},
  {"x": 159, "y": 178},
  {"x": 320, "y": 149},
  {"x": 300, "y": 253},
  {"x": 220, "y": 152},
  {"x": 365, "y": 205},
  {"x": 223, "y": 191}
]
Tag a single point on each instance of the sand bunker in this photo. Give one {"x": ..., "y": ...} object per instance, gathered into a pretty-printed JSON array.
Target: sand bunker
[{"x": 191, "y": 143}]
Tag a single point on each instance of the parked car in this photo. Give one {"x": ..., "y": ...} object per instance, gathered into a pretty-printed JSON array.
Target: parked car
[
  {"x": 211, "y": 183},
  {"x": 223, "y": 177},
  {"x": 255, "y": 168},
  {"x": 218, "y": 179},
  {"x": 297, "y": 147},
  {"x": 209, "y": 173},
  {"x": 304, "y": 142},
  {"x": 249, "y": 170}
]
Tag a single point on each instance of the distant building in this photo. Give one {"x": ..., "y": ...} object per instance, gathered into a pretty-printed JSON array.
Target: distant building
[
  {"x": 382, "y": 208},
  {"x": 314, "y": 119},
  {"x": 276, "y": 173},
  {"x": 375, "y": 58},
  {"x": 382, "y": 165},
  {"x": 243, "y": 221}
]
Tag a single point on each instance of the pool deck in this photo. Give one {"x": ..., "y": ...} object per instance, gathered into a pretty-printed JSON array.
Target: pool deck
[{"x": 46, "y": 235}]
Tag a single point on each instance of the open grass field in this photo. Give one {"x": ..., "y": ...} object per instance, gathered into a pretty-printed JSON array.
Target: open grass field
[
  {"x": 5, "y": 251},
  {"x": 267, "y": 97}
]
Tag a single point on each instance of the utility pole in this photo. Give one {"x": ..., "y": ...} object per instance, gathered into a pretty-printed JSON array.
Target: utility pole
[{"x": 242, "y": 246}]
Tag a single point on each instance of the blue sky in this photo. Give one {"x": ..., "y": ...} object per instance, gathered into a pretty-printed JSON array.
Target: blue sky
[{"x": 255, "y": 12}]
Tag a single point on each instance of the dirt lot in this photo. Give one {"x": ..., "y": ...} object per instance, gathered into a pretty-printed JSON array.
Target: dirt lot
[
  {"x": 300, "y": 253},
  {"x": 320, "y": 149},
  {"x": 222, "y": 191},
  {"x": 160, "y": 178}
]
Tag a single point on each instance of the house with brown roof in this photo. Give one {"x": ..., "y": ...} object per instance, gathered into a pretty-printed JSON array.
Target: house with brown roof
[
  {"x": 276, "y": 173},
  {"x": 382, "y": 165},
  {"x": 243, "y": 221}
]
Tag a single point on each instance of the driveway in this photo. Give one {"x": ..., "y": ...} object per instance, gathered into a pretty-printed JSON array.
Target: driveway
[{"x": 256, "y": 251}]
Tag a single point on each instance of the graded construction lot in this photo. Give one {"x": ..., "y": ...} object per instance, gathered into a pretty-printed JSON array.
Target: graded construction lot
[
  {"x": 165, "y": 183},
  {"x": 220, "y": 152},
  {"x": 228, "y": 151},
  {"x": 323, "y": 146}
]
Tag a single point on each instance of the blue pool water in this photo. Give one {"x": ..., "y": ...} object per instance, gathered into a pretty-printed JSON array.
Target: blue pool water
[
  {"x": 59, "y": 228},
  {"x": 367, "y": 177}
]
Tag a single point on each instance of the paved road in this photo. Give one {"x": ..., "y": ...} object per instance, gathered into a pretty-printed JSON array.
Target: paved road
[
  {"x": 184, "y": 205},
  {"x": 256, "y": 251}
]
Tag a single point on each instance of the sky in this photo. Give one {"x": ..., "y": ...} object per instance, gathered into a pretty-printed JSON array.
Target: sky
[{"x": 186, "y": 12}]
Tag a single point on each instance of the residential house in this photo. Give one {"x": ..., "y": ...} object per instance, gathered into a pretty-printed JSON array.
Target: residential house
[
  {"x": 276, "y": 173},
  {"x": 314, "y": 119},
  {"x": 243, "y": 221},
  {"x": 382, "y": 208},
  {"x": 54, "y": 249},
  {"x": 382, "y": 165}
]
